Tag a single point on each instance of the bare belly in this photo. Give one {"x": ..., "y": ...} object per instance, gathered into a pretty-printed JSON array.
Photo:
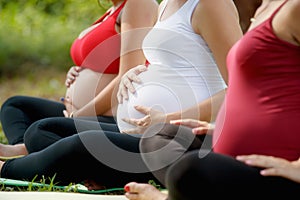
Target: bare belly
[{"x": 86, "y": 86}]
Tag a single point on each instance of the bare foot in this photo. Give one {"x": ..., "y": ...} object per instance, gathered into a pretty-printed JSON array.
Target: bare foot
[
  {"x": 140, "y": 191},
  {"x": 1, "y": 165},
  {"x": 8, "y": 150}
]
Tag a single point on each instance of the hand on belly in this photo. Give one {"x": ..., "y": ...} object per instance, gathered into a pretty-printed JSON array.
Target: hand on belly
[
  {"x": 156, "y": 93},
  {"x": 86, "y": 86}
]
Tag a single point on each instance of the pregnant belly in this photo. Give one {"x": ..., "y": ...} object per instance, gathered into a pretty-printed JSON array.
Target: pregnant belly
[
  {"x": 86, "y": 86},
  {"x": 158, "y": 93}
]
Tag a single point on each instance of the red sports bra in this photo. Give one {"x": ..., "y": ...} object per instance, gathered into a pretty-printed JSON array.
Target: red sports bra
[{"x": 99, "y": 49}]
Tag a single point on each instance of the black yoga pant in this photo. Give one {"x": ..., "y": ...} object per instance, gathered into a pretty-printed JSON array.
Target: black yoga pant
[
  {"x": 110, "y": 158},
  {"x": 47, "y": 131},
  {"x": 187, "y": 167},
  {"x": 163, "y": 144},
  {"x": 18, "y": 113},
  {"x": 216, "y": 175},
  {"x": 56, "y": 148}
]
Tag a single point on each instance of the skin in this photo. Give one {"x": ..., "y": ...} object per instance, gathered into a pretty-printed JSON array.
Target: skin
[
  {"x": 140, "y": 191},
  {"x": 104, "y": 102},
  {"x": 208, "y": 108},
  {"x": 273, "y": 166},
  {"x": 106, "y": 99},
  {"x": 286, "y": 25},
  {"x": 246, "y": 11},
  {"x": 7, "y": 150},
  {"x": 208, "y": 21}
]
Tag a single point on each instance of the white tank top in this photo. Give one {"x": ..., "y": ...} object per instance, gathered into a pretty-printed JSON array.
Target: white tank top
[{"x": 182, "y": 71}]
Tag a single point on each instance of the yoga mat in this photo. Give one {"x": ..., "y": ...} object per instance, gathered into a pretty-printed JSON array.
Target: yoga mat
[{"x": 57, "y": 196}]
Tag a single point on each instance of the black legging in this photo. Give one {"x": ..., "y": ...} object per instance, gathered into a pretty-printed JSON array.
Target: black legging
[
  {"x": 196, "y": 168},
  {"x": 110, "y": 158},
  {"x": 18, "y": 113},
  {"x": 45, "y": 132},
  {"x": 221, "y": 175},
  {"x": 56, "y": 148},
  {"x": 163, "y": 144}
]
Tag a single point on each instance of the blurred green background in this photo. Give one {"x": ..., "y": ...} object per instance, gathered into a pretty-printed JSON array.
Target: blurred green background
[
  {"x": 35, "y": 41},
  {"x": 40, "y": 31}
]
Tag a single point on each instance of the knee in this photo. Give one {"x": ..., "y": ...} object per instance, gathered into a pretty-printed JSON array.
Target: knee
[
  {"x": 10, "y": 104},
  {"x": 181, "y": 173},
  {"x": 154, "y": 136},
  {"x": 160, "y": 135},
  {"x": 34, "y": 135},
  {"x": 14, "y": 101},
  {"x": 167, "y": 130},
  {"x": 34, "y": 130},
  {"x": 193, "y": 165}
]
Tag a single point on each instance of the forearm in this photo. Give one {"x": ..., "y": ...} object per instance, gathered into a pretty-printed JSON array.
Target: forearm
[
  {"x": 206, "y": 110},
  {"x": 135, "y": 24}
]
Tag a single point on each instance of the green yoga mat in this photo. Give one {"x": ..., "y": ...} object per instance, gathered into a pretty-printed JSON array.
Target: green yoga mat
[{"x": 78, "y": 188}]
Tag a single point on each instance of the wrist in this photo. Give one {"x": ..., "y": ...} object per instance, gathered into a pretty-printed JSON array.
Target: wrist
[{"x": 172, "y": 116}]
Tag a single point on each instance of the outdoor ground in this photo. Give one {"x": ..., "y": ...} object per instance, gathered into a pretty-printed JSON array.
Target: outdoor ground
[{"x": 48, "y": 83}]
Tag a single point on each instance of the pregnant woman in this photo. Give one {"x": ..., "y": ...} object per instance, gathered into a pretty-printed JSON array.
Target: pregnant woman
[
  {"x": 103, "y": 53},
  {"x": 185, "y": 34},
  {"x": 186, "y": 66},
  {"x": 256, "y": 137}
]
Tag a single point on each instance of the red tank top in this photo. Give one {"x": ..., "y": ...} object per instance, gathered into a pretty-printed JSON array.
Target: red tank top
[
  {"x": 261, "y": 113},
  {"x": 99, "y": 49}
]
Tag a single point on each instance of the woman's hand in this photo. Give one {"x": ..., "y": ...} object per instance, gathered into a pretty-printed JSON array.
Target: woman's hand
[
  {"x": 72, "y": 74},
  {"x": 126, "y": 82},
  {"x": 273, "y": 166},
  {"x": 152, "y": 116},
  {"x": 198, "y": 127},
  {"x": 70, "y": 109}
]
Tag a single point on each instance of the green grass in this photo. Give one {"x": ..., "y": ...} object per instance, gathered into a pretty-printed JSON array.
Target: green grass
[
  {"x": 48, "y": 185},
  {"x": 42, "y": 186}
]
